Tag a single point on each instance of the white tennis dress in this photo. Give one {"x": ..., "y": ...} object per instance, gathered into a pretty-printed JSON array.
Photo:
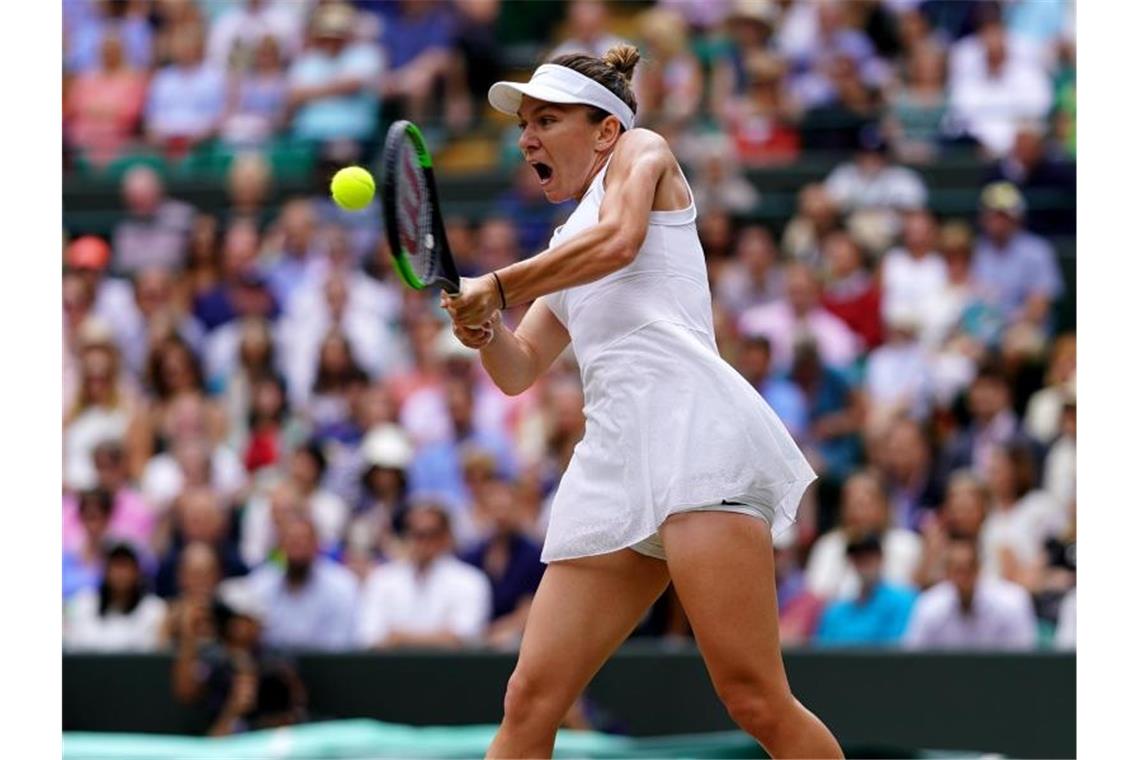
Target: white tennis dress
[{"x": 670, "y": 425}]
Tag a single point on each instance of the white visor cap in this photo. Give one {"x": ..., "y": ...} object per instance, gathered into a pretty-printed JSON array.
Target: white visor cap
[{"x": 559, "y": 84}]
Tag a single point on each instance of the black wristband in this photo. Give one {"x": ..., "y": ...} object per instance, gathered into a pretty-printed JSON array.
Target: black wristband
[{"x": 499, "y": 282}]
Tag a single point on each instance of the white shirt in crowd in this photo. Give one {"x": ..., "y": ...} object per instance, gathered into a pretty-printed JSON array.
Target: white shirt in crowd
[
  {"x": 1022, "y": 528},
  {"x": 85, "y": 630},
  {"x": 900, "y": 374},
  {"x": 319, "y": 615},
  {"x": 892, "y": 187},
  {"x": 163, "y": 480},
  {"x": 830, "y": 575},
  {"x": 328, "y": 511},
  {"x": 450, "y": 596},
  {"x": 244, "y": 26},
  {"x": 991, "y": 108},
  {"x": 1001, "y": 618},
  {"x": 95, "y": 425},
  {"x": 913, "y": 286},
  {"x": 1059, "y": 474}
]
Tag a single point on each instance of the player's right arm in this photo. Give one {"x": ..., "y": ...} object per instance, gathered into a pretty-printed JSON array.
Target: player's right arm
[{"x": 514, "y": 360}]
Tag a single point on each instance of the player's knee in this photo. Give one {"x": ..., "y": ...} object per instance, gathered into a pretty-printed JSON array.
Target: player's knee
[
  {"x": 530, "y": 701},
  {"x": 754, "y": 709}
]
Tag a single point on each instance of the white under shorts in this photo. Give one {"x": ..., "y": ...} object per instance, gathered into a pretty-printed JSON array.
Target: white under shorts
[{"x": 652, "y": 546}]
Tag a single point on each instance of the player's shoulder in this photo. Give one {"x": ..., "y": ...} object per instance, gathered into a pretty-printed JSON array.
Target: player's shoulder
[{"x": 639, "y": 143}]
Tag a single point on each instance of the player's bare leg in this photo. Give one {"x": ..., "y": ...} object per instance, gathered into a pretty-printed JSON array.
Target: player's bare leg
[
  {"x": 722, "y": 567},
  {"x": 583, "y": 610}
]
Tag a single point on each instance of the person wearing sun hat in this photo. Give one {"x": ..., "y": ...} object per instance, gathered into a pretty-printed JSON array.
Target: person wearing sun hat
[{"x": 1016, "y": 269}]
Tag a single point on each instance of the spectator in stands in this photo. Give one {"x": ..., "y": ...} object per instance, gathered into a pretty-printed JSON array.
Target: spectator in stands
[
  {"x": 477, "y": 43},
  {"x": 1059, "y": 471},
  {"x": 915, "y": 277},
  {"x": 310, "y": 601},
  {"x": 971, "y": 612},
  {"x": 88, "y": 258},
  {"x": 510, "y": 560},
  {"x": 121, "y": 616},
  {"x": 158, "y": 312},
  {"x": 88, "y": 25},
  {"x": 239, "y": 32},
  {"x": 1016, "y": 269},
  {"x": 241, "y": 682},
  {"x": 346, "y": 310},
  {"x": 187, "y": 98},
  {"x": 752, "y": 277},
  {"x": 917, "y": 108},
  {"x": 750, "y": 25},
  {"x": 960, "y": 516},
  {"x": 525, "y": 205},
  {"x": 248, "y": 184},
  {"x": 1021, "y": 516},
  {"x": 830, "y": 573},
  {"x": 292, "y": 249},
  {"x": 304, "y": 473},
  {"x": 101, "y": 410},
  {"x": 199, "y": 516},
  {"x": 899, "y": 379},
  {"x": 339, "y": 378},
  {"x": 835, "y": 413},
  {"x": 875, "y": 191},
  {"x": 234, "y": 369},
  {"x": 588, "y": 22},
  {"x": 801, "y": 313},
  {"x": 173, "y": 373},
  {"x": 273, "y": 429},
  {"x": 994, "y": 87},
  {"x": 879, "y": 612},
  {"x": 1032, "y": 167},
  {"x": 203, "y": 262},
  {"x": 849, "y": 107},
  {"x": 242, "y": 290},
  {"x": 1043, "y": 412},
  {"x": 719, "y": 182},
  {"x": 785, "y": 398},
  {"x": 194, "y": 611},
  {"x": 131, "y": 518},
  {"x": 429, "y": 599},
  {"x": 992, "y": 423},
  {"x": 83, "y": 561},
  {"x": 418, "y": 39},
  {"x": 386, "y": 452},
  {"x": 332, "y": 83},
  {"x": 812, "y": 36},
  {"x": 851, "y": 292},
  {"x": 760, "y": 120},
  {"x": 104, "y": 106},
  {"x": 192, "y": 458},
  {"x": 437, "y": 468},
  {"x": 155, "y": 230},
  {"x": 816, "y": 217},
  {"x": 914, "y": 490},
  {"x": 670, "y": 83}
]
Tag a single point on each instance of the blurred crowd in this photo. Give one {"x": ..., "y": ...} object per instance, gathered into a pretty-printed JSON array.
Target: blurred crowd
[{"x": 270, "y": 445}]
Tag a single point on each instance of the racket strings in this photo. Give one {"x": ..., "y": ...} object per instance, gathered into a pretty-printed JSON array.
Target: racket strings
[{"x": 413, "y": 214}]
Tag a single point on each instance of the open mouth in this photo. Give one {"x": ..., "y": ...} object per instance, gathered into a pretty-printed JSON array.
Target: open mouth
[{"x": 544, "y": 172}]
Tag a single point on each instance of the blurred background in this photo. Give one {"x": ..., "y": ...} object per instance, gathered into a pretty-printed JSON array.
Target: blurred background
[{"x": 272, "y": 449}]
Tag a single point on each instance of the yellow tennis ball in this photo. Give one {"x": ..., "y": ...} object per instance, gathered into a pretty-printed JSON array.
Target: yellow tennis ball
[{"x": 352, "y": 188}]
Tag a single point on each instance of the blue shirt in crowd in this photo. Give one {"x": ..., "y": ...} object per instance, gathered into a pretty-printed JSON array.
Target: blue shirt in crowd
[
  {"x": 876, "y": 621},
  {"x": 1009, "y": 275},
  {"x": 520, "y": 578}
]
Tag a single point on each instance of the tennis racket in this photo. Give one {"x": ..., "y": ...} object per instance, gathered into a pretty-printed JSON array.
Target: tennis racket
[{"x": 411, "y": 212}]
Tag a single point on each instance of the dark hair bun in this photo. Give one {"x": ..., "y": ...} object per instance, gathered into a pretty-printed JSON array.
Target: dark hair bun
[{"x": 623, "y": 58}]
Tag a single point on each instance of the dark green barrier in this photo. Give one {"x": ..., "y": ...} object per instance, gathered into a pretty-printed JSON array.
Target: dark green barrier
[{"x": 1021, "y": 705}]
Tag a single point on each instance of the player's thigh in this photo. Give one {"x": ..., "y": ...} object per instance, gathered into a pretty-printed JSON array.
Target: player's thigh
[
  {"x": 583, "y": 610},
  {"x": 722, "y": 567}
]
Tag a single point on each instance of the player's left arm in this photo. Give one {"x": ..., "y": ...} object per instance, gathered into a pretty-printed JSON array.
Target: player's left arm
[{"x": 640, "y": 161}]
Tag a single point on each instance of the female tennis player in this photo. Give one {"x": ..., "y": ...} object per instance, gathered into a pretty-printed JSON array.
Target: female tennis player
[{"x": 684, "y": 470}]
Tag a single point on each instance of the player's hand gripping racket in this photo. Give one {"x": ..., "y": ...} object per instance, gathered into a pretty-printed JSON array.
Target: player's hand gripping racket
[{"x": 411, "y": 212}]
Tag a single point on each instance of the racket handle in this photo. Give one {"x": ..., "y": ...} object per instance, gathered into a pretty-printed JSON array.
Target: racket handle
[{"x": 451, "y": 288}]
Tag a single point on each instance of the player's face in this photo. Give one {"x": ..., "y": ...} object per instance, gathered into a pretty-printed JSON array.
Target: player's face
[{"x": 558, "y": 142}]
